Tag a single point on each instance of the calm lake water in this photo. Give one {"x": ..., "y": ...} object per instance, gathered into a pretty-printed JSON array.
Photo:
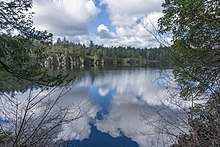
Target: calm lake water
[
  {"x": 131, "y": 109},
  {"x": 123, "y": 107}
]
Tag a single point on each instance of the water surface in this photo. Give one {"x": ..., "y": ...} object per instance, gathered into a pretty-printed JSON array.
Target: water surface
[
  {"x": 122, "y": 107},
  {"x": 130, "y": 103}
]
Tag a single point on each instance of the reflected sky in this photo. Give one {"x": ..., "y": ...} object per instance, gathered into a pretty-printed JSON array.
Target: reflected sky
[
  {"x": 128, "y": 101},
  {"x": 129, "y": 108}
]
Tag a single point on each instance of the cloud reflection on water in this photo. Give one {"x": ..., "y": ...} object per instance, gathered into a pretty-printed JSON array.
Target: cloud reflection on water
[
  {"x": 125, "y": 115},
  {"x": 123, "y": 102},
  {"x": 137, "y": 93}
]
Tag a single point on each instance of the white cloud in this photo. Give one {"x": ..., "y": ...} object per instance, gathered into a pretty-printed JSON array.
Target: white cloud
[
  {"x": 64, "y": 17},
  {"x": 136, "y": 36},
  {"x": 103, "y": 91},
  {"x": 82, "y": 39},
  {"x": 78, "y": 129},
  {"x": 102, "y": 27},
  {"x": 133, "y": 118},
  {"x": 139, "y": 121},
  {"x": 104, "y": 33},
  {"x": 124, "y": 15},
  {"x": 151, "y": 21},
  {"x": 71, "y": 18},
  {"x": 127, "y": 12}
]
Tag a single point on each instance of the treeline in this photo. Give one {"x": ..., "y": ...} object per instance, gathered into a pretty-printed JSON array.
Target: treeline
[
  {"x": 65, "y": 54},
  {"x": 26, "y": 58}
]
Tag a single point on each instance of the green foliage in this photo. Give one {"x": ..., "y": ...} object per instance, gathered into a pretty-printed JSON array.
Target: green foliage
[
  {"x": 17, "y": 52},
  {"x": 196, "y": 48},
  {"x": 22, "y": 54},
  {"x": 100, "y": 55},
  {"x": 195, "y": 28},
  {"x": 21, "y": 46},
  {"x": 14, "y": 16},
  {"x": 4, "y": 136},
  {"x": 204, "y": 126}
]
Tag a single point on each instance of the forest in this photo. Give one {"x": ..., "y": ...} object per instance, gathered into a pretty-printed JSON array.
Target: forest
[
  {"x": 69, "y": 55},
  {"x": 27, "y": 55}
]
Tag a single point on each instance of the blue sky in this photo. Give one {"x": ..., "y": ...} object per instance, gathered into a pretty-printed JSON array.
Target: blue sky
[
  {"x": 102, "y": 18},
  {"x": 108, "y": 22}
]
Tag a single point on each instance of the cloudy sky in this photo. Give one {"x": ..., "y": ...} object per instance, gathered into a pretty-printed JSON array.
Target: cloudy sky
[{"x": 108, "y": 22}]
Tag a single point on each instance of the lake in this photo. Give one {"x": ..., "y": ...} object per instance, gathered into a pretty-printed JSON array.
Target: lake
[
  {"x": 131, "y": 108},
  {"x": 127, "y": 107}
]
